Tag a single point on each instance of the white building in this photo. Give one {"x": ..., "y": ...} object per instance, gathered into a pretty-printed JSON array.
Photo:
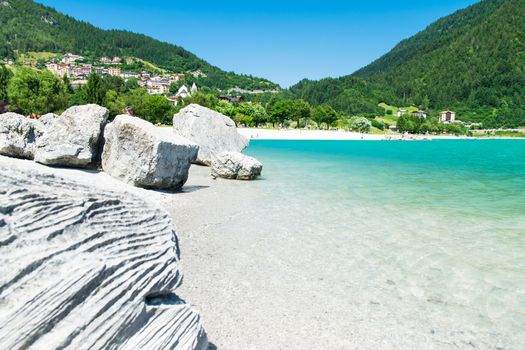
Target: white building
[
  {"x": 447, "y": 117},
  {"x": 193, "y": 88},
  {"x": 402, "y": 112},
  {"x": 70, "y": 58}
]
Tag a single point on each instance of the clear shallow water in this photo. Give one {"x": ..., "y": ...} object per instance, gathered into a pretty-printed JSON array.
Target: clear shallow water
[{"x": 431, "y": 232}]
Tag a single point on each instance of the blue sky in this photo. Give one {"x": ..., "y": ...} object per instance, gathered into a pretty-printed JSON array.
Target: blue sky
[{"x": 284, "y": 41}]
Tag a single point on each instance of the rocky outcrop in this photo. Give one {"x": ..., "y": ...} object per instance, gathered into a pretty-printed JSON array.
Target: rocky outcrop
[
  {"x": 48, "y": 119},
  {"x": 213, "y": 132},
  {"x": 18, "y": 135},
  {"x": 73, "y": 138},
  {"x": 85, "y": 268},
  {"x": 235, "y": 165},
  {"x": 137, "y": 152}
]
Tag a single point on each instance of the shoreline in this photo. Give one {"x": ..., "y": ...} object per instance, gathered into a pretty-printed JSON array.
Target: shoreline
[{"x": 325, "y": 135}]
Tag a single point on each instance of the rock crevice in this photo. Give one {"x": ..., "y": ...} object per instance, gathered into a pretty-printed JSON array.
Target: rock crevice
[{"x": 83, "y": 268}]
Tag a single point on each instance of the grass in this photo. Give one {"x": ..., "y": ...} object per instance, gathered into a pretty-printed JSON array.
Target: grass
[
  {"x": 35, "y": 56},
  {"x": 395, "y": 109},
  {"x": 148, "y": 65}
]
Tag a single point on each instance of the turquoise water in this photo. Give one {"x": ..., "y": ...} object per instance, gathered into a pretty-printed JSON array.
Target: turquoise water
[{"x": 442, "y": 222}]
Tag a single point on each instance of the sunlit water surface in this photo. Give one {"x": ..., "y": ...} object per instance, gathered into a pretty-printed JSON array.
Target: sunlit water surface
[{"x": 435, "y": 229}]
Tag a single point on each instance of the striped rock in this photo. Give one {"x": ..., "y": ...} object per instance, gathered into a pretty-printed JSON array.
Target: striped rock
[{"x": 82, "y": 268}]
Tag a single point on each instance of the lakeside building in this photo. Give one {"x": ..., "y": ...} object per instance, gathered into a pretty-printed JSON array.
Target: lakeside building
[
  {"x": 419, "y": 113},
  {"x": 447, "y": 117}
]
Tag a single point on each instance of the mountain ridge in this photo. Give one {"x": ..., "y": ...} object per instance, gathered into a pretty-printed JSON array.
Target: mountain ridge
[
  {"x": 472, "y": 61},
  {"x": 30, "y": 26}
]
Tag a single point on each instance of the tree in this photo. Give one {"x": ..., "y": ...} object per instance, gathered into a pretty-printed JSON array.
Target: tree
[
  {"x": 155, "y": 109},
  {"x": 5, "y": 76},
  {"x": 158, "y": 109},
  {"x": 67, "y": 85},
  {"x": 324, "y": 114},
  {"x": 96, "y": 89},
  {"x": 289, "y": 110},
  {"x": 406, "y": 124},
  {"x": 37, "y": 92},
  {"x": 360, "y": 124},
  {"x": 249, "y": 112},
  {"x": 114, "y": 102}
]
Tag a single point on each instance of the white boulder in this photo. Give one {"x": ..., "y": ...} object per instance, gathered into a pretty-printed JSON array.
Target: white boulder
[
  {"x": 137, "y": 152},
  {"x": 18, "y": 135},
  {"x": 84, "y": 268},
  {"x": 235, "y": 165},
  {"x": 213, "y": 132},
  {"x": 73, "y": 138}
]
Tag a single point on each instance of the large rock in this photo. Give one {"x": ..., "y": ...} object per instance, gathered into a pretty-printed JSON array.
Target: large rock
[
  {"x": 213, "y": 132},
  {"x": 137, "y": 152},
  {"x": 18, "y": 135},
  {"x": 82, "y": 267},
  {"x": 73, "y": 138},
  {"x": 235, "y": 165}
]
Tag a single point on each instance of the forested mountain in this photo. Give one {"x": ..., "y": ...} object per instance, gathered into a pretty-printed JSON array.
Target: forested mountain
[
  {"x": 472, "y": 61},
  {"x": 27, "y": 26}
]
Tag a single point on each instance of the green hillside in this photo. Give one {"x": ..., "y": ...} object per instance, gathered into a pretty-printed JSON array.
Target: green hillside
[
  {"x": 472, "y": 61},
  {"x": 26, "y": 26}
]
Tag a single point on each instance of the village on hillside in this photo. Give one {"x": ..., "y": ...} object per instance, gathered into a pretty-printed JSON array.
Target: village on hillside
[
  {"x": 71, "y": 66},
  {"x": 77, "y": 70}
]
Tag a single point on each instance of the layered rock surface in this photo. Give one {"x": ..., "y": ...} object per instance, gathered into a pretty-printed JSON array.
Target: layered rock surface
[
  {"x": 213, "y": 132},
  {"x": 18, "y": 135},
  {"x": 84, "y": 268},
  {"x": 137, "y": 152},
  {"x": 73, "y": 138},
  {"x": 236, "y": 166}
]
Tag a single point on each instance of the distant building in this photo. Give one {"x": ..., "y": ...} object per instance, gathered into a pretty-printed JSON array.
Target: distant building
[
  {"x": 83, "y": 70},
  {"x": 100, "y": 70},
  {"x": 70, "y": 58},
  {"x": 116, "y": 60},
  {"x": 198, "y": 74},
  {"x": 232, "y": 98},
  {"x": 447, "y": 117},
  {"x": 178, "y": 77},
  {"x": 193, "y": 88},
  {"x": 173, "y": 100},
  {"x": 420, "y": 113},
  {"x": 78, "y": 83},
  {"x": 402, "y": 112},
  {"x": 128, "y": 75},
  {"x": 182, "y": 93},
  {"x": 105, "y": 60},
  {"x": 155, "y": 88},
  {"x": 114, "y": 71}
]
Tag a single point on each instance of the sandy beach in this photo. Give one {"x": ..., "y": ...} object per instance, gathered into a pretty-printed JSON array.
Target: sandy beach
[{"x": 299, "y": 134}]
